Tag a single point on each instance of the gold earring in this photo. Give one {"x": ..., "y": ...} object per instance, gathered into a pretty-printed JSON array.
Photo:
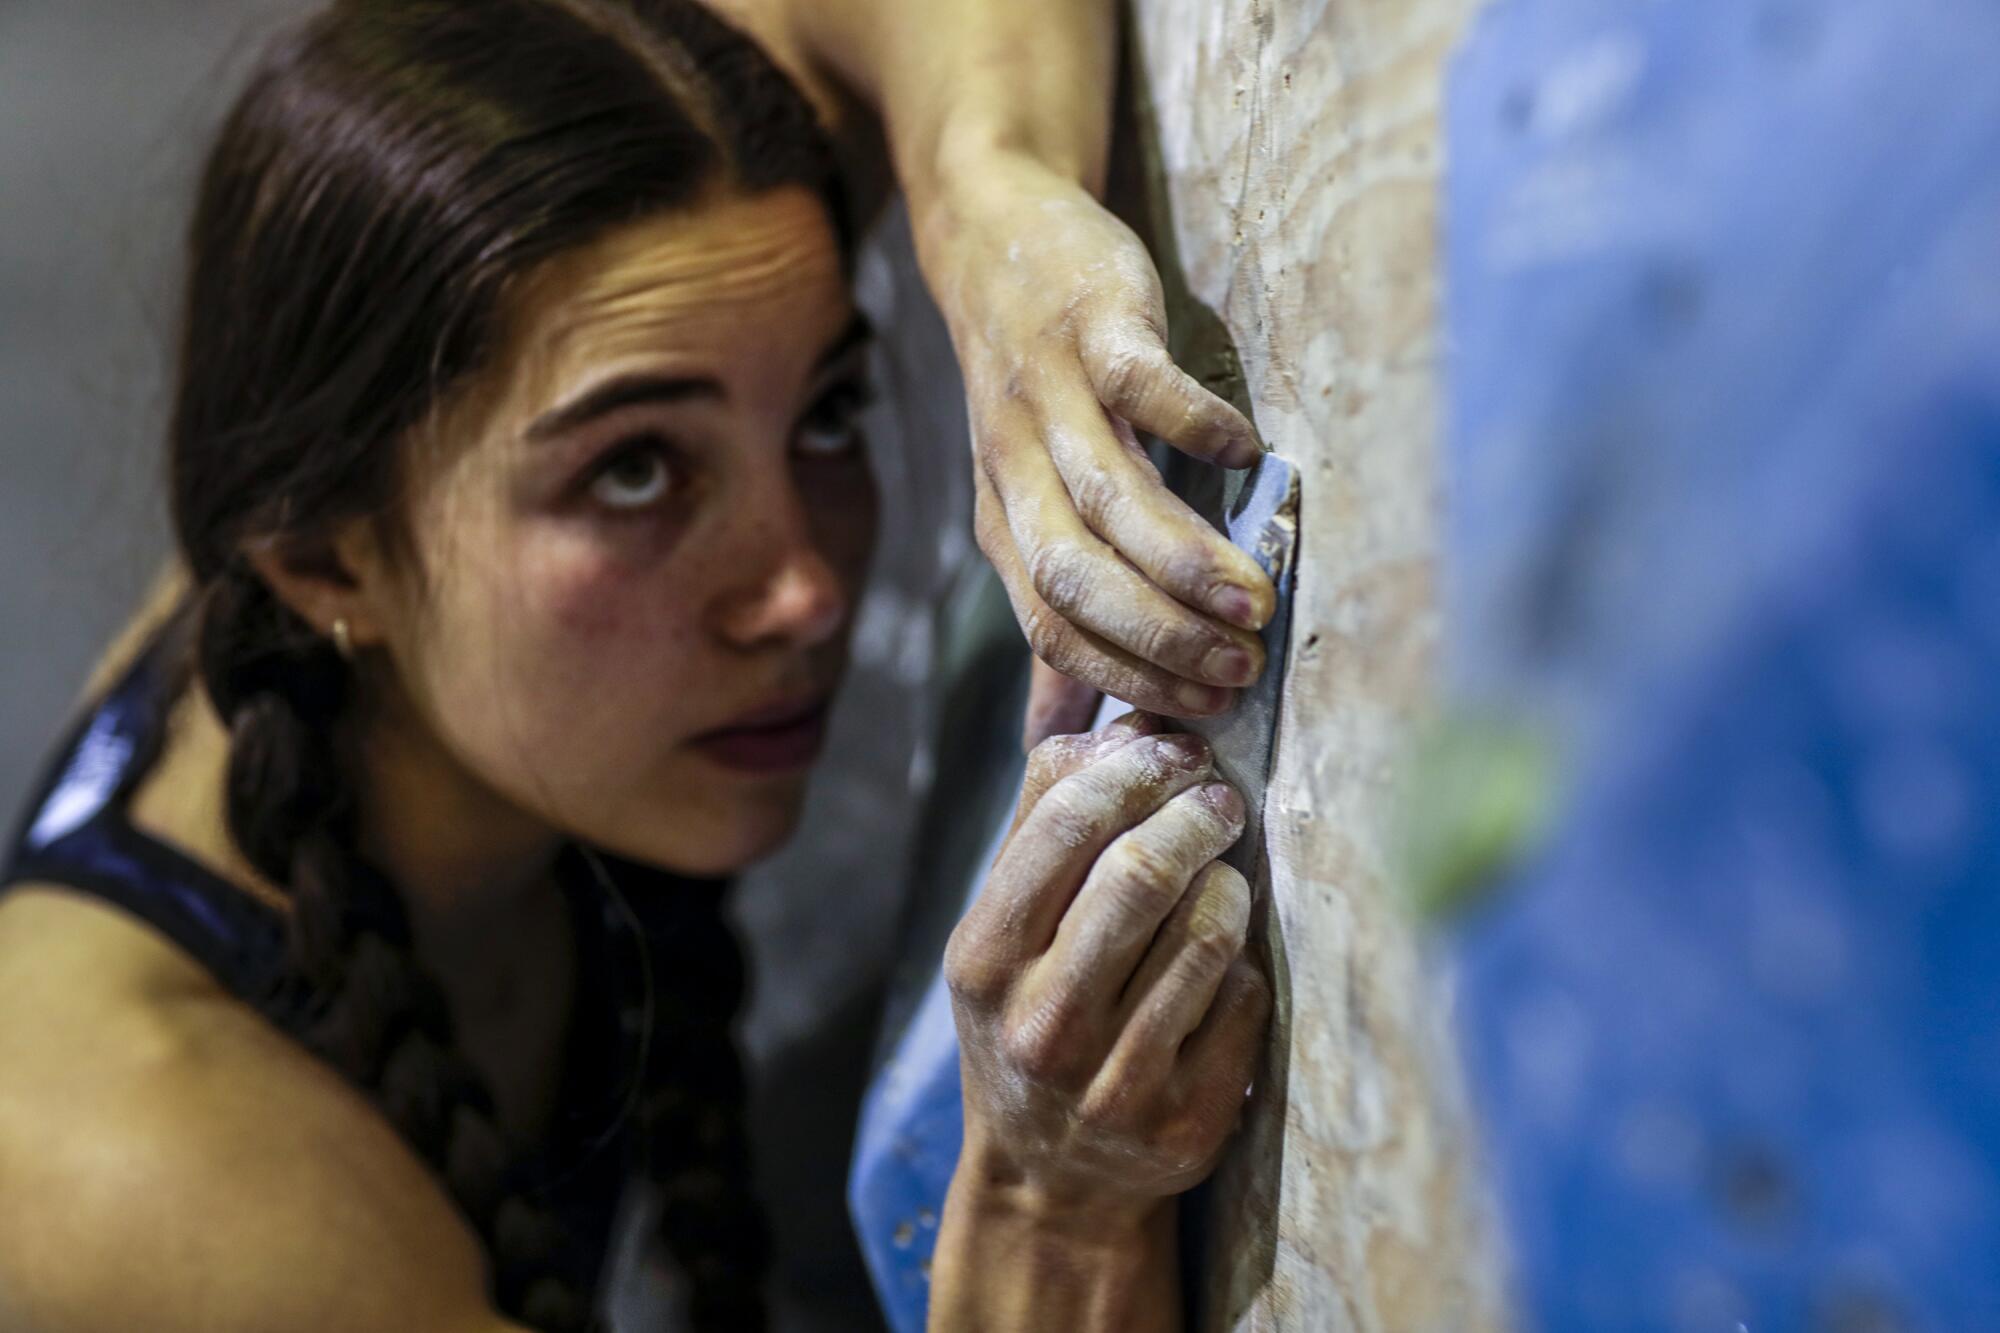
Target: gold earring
[{"x": 343, "y": 639}]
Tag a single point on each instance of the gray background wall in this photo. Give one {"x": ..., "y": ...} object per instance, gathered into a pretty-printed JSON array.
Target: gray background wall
[{"x": 105, "y": 108}]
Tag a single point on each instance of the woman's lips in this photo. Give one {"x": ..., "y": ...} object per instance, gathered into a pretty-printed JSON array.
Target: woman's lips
[{"x": 779, "y": 740}]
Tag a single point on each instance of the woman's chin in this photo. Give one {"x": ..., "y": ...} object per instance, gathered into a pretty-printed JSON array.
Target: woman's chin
[{"x": 719, "y": 844}]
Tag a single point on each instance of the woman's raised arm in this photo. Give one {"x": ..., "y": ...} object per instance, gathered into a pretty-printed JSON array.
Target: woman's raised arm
[{"x": 998, "y": 116}]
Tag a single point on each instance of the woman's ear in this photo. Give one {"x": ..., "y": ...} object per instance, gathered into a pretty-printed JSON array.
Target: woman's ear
[{"x": 341, "y": 579}]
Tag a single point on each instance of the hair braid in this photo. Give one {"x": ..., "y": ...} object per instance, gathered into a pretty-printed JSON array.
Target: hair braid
[
  {"x": 372, "y": 1011},
  {"x": 699, "y": 1161}
]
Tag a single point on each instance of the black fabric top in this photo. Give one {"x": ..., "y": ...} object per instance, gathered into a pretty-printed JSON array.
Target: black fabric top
[{"x": 77, "y": 833}]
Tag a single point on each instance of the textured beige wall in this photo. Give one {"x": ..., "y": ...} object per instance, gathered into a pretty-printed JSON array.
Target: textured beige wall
[{"x": 1298, "y": 145}]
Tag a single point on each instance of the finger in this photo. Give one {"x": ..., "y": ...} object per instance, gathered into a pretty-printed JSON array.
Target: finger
[
  {"x": 979, "y": 961},
  {"x": 1045, "y": 862},
  {"x": 1220, "y": 1058},
  {"x": 1135, "y": 886},
  {"x": 1091, "y": 585},
  {"x": 1177, "y": 980},
  {"x": 1074, "y": 651},
  {"x": 1059, "y": 756},
  {"x": 1057, "y": 705},
  {"x": 1119, "y": 494},
  {"x": 1137, "y": 379}
]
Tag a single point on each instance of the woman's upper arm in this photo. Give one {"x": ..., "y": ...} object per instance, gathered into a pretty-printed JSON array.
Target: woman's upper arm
[
  {"x": 852, "y": 125},
  {"x": 769, "y": 23},
  {"x": 180, "y": 1179}
]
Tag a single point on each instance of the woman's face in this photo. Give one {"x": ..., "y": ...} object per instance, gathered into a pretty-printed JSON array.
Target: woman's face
[{"x": 642, "y": 534}]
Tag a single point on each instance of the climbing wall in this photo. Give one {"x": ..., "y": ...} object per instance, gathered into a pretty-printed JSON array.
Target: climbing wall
[{"x": 1294, "y": 164}]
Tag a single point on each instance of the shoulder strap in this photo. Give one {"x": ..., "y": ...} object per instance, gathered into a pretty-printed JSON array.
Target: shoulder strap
[{"x": 76, "y": 834}]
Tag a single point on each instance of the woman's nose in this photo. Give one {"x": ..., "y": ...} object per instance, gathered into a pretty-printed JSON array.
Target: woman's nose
[{"x": 799, "y": 599}]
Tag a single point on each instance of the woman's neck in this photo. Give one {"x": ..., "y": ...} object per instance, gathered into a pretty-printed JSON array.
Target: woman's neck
[{"x": 475, "y": 870}]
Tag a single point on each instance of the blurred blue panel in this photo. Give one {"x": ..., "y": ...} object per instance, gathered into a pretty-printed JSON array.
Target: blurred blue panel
[
  {"x": 1724, "y": 521},
  {"x": 906, "y": 1149}
]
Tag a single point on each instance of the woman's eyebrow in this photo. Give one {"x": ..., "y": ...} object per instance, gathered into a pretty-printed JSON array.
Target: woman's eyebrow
[
  {"x": 620, "y": 392},
  {"x": 624, "y": 391}
]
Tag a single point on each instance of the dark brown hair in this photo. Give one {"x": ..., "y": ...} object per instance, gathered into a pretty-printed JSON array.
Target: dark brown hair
[{"x": 392, "y": 168}]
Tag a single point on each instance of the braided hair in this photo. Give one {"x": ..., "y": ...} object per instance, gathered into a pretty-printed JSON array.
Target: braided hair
[{"x": 391, "y": 169}]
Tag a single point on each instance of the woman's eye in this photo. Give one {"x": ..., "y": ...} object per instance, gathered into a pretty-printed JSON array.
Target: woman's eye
[
  {"x": 633, "y": 477},
  {"x": 833, "y": 428}
]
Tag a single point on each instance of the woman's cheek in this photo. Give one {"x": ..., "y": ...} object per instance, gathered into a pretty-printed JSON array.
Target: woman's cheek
[
  {"x": 607, "y": 646},
  {"x": 606, "y": 610}
]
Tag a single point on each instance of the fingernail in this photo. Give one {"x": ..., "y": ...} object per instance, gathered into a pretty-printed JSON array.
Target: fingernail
[
  {"x": 1228, "y": 802},
  {"x": 1202, "y": 699},
  {"x": 1230, "y": 665},
  {"x": 1185, "y": 750},
  {"x": 1242, "y": 452},
  {"x": 1236, "y": 606}
]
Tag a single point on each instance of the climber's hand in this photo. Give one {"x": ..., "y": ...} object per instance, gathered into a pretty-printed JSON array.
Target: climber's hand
[
  {"x": 1057, "y": 315},
  {"x": 1108, "y": 1019}
]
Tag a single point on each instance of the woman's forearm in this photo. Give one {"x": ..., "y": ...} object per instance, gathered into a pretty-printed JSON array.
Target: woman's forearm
[
  {"x": 1005, "y": 1264},
  {"x": 997, "y": 116},
  {"x": 956, "y": 80}
]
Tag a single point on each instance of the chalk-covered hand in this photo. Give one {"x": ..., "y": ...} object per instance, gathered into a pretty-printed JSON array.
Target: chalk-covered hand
[
  {"x": 1057, "y": 315},
  {"x": 1108, "y": 1019}
]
